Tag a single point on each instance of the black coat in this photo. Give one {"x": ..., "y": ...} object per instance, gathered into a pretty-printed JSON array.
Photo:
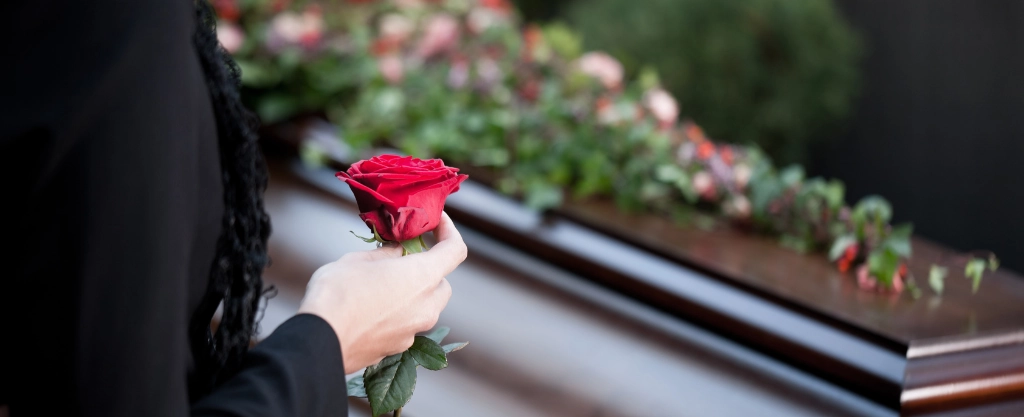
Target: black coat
[{"x": 112, "y": 205}]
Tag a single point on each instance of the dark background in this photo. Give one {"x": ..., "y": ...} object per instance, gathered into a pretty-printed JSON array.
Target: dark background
[{"x": 939, "y": 125}]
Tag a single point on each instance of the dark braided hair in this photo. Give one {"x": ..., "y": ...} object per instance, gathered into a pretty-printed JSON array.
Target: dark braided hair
[{"x": 236, "y": 273}]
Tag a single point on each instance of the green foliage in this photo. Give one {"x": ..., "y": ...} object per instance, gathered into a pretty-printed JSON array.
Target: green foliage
[
  {"x": 389, "y": 384},
  {"x": 937, "y": 278},
  {"x": 517, "y": 103},
  {"x": 776, "y": 73}
]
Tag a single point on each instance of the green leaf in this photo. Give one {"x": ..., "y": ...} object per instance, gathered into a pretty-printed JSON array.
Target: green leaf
[
  {"x": 974, "y": 269},
  {"x": 899, "y": 240},
  {"x": 542, "y": 196},
  {"x": 795, "y": 243},
  {"x": 834, "y": 194},
  {"x": 993, "y": 262},
  {"x": 452, "y": 347},
  {"x": 438, "y": 334},
  {"x": 840, "y": 245},
  {"x": 882, "y": 263},
  {"x": 356, "y": 388},
  {"x": 364, "y": 239},
  {"x": 875, "y": 207},
  {"x": 792, "y": 175},
  {"x": 390, "y": 383},
  {"x": 428, "y": 353},
  {"x": 412, "y": 246},
  {"x": 937, "y": 278}
]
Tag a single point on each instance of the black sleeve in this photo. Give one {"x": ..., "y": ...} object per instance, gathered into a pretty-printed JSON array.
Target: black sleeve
[
  {"x": 111, "y": 209},
  {"x": 294, "y": 372}
]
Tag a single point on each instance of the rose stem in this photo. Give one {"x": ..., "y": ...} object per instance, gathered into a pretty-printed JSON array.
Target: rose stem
[{"x": 398, "y": 412}]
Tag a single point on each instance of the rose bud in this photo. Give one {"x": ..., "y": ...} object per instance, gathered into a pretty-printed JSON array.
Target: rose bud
[{"x": 401, "y": 198}]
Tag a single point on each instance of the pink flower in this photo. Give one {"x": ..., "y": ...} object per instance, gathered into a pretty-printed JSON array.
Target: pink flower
[
  {"x": 704, "y": 184},
  {"x": 603, "y": 67},
  {"x": 290, "y": 29},
  {"x": 396, "y": 27},
  {"x": 230, "y": 36},
  {"x": 868, "y": 283},
  {"x": 440, "y": 35},
  {"x": 391, "y": 68},
  {"x": 663, "y": 106},
  {"x": 864, "y": 280}
]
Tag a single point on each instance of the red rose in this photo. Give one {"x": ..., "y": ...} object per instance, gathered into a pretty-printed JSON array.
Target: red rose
[{"x": 402, "y": 197}]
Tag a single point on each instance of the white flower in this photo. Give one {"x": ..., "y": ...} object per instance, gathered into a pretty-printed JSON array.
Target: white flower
[
  {"x": 603, "y": 67},
  {"x": 488, "y": 71},
  {"x": 686, "y": 153},
  {"x": 230, "y": 36},
  {"x": 704, "y": 184},
  {"x": 741, "y": 173},
  {"x": 480, "y": 19},
  {"x": 663, "y": 106},
  {"x": 395, "y": 26},
  {"x": 290, "y": 28},
  {"x": 739, "y": 206},
  {"x": 287, "y": 26},
  {"x": 458, "y": 74}
]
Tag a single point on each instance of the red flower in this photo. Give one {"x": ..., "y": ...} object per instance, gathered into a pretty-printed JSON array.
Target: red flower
[
  {"x": 499, "y": 5},
  {"x": 847, "y": 259},
  {"x": 727, "y": 155},
  {"x": 695, "y": 133},
  {"x": 227, "y": 9},
  {"x": 530, "y": 90},
  {"x": 401, "y": 197},
  {"x": 705, "y": 150}
]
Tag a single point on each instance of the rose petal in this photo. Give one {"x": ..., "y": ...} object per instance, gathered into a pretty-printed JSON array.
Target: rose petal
[
  {"x": 384, "y": 225},
  {"x": 366, "y": 198}
]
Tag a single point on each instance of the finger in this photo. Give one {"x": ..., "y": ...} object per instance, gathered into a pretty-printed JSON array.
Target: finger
[
  {"x": 384, "y": 252},
  {"x": 442, "y": 293},
  {"x": 446, "y": 229},
  {"x": 447, "y": 254}
]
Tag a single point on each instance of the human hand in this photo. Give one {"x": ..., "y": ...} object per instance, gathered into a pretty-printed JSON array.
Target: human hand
[{"x": 378, "y": 300}]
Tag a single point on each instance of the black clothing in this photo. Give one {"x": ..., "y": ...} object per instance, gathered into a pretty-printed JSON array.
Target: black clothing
[{"x": 111, "y": 212}]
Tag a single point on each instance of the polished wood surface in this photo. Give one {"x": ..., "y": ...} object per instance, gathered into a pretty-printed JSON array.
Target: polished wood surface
[
  {"x": 813, "y": 283},
  {"x": 547, "y": 343}
]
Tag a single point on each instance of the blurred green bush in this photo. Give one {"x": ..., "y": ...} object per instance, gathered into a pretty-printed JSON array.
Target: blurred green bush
[{"x": 776, "y": 73}]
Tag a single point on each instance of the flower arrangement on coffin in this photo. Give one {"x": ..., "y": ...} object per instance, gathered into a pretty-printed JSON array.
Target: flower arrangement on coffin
[{"x": 464, "y": 80}]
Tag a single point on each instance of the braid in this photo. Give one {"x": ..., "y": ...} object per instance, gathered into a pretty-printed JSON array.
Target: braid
[{"x": 236, "y": 273}]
